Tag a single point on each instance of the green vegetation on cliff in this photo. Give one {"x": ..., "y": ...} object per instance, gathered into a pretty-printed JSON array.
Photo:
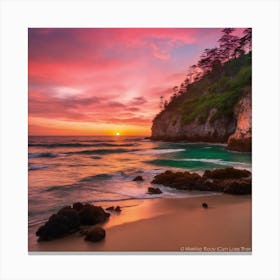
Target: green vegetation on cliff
[
  {"x": 213, "y": 103},
  {"x": 220, "y": 89}
]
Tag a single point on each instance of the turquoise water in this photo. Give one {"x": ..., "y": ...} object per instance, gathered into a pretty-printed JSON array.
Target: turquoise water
[{"x": 199, "y": 157}]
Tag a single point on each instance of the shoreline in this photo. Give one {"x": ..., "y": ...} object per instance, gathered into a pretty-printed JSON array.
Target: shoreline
[
  {"x": 166, "y": 225},
  {"x": 223, "y": 144}
]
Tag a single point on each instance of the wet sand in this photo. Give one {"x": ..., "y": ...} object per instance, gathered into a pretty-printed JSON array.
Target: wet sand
[{"x": 167, "y": 225}]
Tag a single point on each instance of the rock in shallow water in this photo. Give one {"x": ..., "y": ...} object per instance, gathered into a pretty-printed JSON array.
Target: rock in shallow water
[
  {"x": 228, "y": 180},
  {"x": 226, "y": 173},
  {"x": 178, "y": 180},
  {"x": 96, "y": 234},
  {"x": 154, "y": 190},
  {"x": 111, "y": 208},
  {"x": 242, "y": 186},
  {"x": 138, "y": 178}
]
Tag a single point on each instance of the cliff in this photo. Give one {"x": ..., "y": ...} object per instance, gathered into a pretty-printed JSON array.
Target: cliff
[
  {"x": 241, "y": 139},
  {"x": 216, "y": 108}
]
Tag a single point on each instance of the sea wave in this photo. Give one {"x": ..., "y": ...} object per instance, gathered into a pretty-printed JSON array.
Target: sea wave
[
  {"x": 97, "y": 177},
  {"x": 215, "y": 161},
  {"x": 197, "y": 164},
  {"x": 38, "y": 155},
  {"x": 82, "y": 183},
  {"x": 96, "y": 157},
  {"x": 158, "y": 151},
  {"x": 64, "y": 188},
  {"x": 77, "y": 145},
  {"x": 99, "y": 152},
  {"x": 38, "y": 166}
]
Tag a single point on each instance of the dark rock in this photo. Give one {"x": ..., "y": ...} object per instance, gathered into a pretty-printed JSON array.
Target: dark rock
[
  {"x": 240, "y": 145},
  {"x": 211, "y": 185},
  {"x": 112, "y": 208},
  {"x": 178, "y": 180},
  {"x": 165, "y": 178},
  {"x": 138, "y": 178},
  {"x": 229, "y": 180},
  {"x": 91, "y": 215},
  {"x": 154, "y": 190},
  {"x": 71, "y": 215},
  {"x": 83, "y": 232},
  {"x": 204, "y": 205},
  {"x": 226, "y": 173},
  {"x": 78, "y": 206},
  {"x": 96, "y": 234},
  {"x": 242, "y": 186},
  {"x": 68, "y": 220},
  {"x": 64, "y": 222}
]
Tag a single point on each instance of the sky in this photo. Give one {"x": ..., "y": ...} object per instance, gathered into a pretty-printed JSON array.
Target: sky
[{"x": 104, "y": 81}]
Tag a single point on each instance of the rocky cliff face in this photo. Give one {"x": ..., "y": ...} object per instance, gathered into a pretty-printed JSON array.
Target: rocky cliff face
[
  {"x": 169, "y": 126},
  {"x": 234, "y": 130},
  {"x": 216, "y": 108},
  {"x": 241, "y": 140}
]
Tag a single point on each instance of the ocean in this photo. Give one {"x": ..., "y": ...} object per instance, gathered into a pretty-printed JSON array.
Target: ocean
[{"x": 63, "y": 170}]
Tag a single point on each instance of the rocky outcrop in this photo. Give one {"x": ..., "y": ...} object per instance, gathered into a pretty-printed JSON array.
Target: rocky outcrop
[
  {"x": 178, "y": 180},
  {"x": 226, "y": 173},
  {"x": 236, "y": 130},
  {"x": 115, "y": 209},
  {"x": 95, "y": 235},
  {"x": 69, "y": 219},
  {"x": 138, "y": 178},
  {"x": 64, "y": 222},
  {"x": 152, "y": 190},
  {"x": 216, "y": 107},
  {"x": 91, "y": 215},
  {"x": 228, "y": 180},
  {"x": 170, "y": 126},
  {"x": 241, "y": 140}
]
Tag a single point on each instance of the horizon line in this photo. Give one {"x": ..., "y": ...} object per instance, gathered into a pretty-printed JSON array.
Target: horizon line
[{"x": 89, "y": 135}]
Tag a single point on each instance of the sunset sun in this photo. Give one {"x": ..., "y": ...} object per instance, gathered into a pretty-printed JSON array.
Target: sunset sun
[{"x": 118, "y": 134}]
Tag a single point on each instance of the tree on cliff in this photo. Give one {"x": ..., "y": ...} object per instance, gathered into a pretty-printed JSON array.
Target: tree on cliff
[
  {"x": 161, "y": 102},
  {"x": 246, "y": 41},
  {"x": 209, "y": 60},
  {"x": 228, "y": 44},
  {"x": 212, "y": 60}
]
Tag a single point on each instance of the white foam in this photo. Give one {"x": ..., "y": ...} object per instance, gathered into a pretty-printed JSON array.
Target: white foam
[
  {"x": 215, "y": 161},
  {"x": 158, "y": 151}
]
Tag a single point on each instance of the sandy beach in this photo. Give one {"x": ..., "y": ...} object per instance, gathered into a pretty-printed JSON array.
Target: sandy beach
[{"x": 167, "y": 225}]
